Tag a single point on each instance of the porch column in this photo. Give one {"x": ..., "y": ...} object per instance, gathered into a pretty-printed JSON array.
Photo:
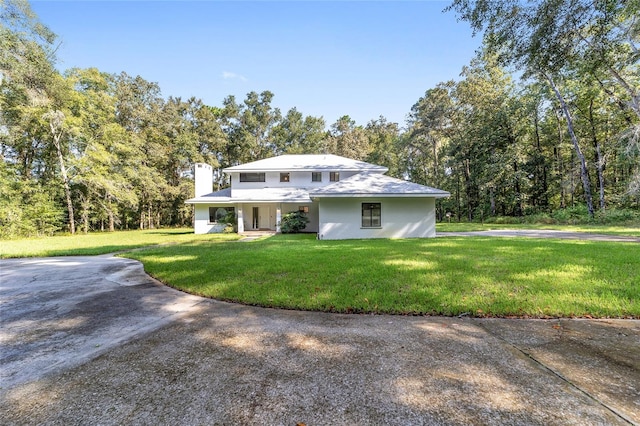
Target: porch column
[
  {"x": 278, "y": 217},
  {"x": 240, "y": 220}
]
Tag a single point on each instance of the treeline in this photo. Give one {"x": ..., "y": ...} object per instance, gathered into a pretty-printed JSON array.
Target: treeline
[{"x": 86, "y": 150}]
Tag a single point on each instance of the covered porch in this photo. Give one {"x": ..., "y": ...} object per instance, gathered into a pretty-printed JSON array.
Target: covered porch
[{"x": 251, "y": 216}]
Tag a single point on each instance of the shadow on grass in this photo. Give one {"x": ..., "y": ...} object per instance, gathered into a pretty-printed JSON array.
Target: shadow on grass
[{"x": 170, "y": 232}]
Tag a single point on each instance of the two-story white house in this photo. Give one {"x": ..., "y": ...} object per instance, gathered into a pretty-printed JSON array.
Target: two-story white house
[{"x": 343, "y": 198}]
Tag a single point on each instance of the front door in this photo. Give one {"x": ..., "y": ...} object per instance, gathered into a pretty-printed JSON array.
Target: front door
[{"x": 256, "y": 218}]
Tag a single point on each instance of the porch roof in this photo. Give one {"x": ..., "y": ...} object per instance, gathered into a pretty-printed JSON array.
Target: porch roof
[{"x": 266, "y": 195}]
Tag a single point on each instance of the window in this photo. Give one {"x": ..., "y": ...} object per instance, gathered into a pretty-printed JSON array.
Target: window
[
  {"x": 371, "y": 215},
  {"x": 334, "y": 176},
  {"x": 303, "y": 209},
  {"x": 284, "y": 177},
  {"x": 251, "y": 177},
  {"x": 220, "y": 214},
  {"x": 316, "y": 176}
]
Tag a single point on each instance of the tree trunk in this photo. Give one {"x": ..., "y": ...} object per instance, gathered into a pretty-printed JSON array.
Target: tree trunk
[
  {"x": 85, "y": 216},
  {"x": 561, "y": 168},
  {"x": 586, "y": 185},
  {"x": 436, "y": 165},
  {"x": 65, "y": 178},
  {"x": 518, "y": 211},
  {"x": 634, "y": 102},
  {"x": 110, "y": 215},
  {"x": 543, "y": 200},
  {"x": 492, "y": 200},
  {"x": 458, "y": 207}
]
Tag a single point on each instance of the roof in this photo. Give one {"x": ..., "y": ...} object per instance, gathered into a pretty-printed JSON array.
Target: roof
[
  {"x": 307, "y": 162},
  {"x": 222, "y": 196},
  {"x": 374, "y": 184},
  {"x": 364, "y": 184},
  {"x": 281, "y": 195}
]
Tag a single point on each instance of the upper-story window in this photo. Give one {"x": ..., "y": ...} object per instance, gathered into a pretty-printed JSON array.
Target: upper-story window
[
  {"x": 316, "y": 176},
  {"x": 251, "y": 177},
  {"x": 334, "y": 176},
  {"x": 284, "y": 177}
]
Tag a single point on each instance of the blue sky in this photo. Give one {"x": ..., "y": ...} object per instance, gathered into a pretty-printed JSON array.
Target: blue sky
[{"x": 329, "y": 59}]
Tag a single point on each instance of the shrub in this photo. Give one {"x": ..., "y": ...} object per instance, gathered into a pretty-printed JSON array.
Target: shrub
[
  {"x": 618, "y": 216},
  {"x": 540, "y": 218},
  {"x": 293, "y": 222},
  {"x": 505, "y": 220},
  {"x": 572, "y": 215},
  {"x": 232, "y": 223}
]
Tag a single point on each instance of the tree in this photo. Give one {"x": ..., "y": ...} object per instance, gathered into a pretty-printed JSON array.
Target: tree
[
  {"x": 296, "y": 134},
  {"x": 540, "y": 39},
  {"x": 101, "y": 166},
  {"x": 430, "y": 125},
  {"x": 27, "y": 53},
  {"x": 347, "y": 139},
  {"x": 384, "y": 144},
  {"x": 138, "y": 110},
  {"x": 249, "y": 127},
  {"x": 56, "y": 121}
]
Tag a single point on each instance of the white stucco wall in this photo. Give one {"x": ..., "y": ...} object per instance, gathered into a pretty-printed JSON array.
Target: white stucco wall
[
  {"x": 341, "y": 218},
  {"x": 202, "y": 224},
  {"x": 272, "y": 180}
]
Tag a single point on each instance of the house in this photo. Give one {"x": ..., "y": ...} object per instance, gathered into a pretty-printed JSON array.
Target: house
[{"x": 343, "y": 198}]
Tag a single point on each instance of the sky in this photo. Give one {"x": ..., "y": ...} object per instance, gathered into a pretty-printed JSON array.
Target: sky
[{"x": 325, "y": 58}]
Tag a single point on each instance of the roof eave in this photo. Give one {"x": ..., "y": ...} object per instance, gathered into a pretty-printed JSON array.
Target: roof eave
[
  {"x": 246, "y": 200},
  {"x": 211, "y": 200},
  {"x": 380, "y": 194},
  {"x": 380, "y": 170}
]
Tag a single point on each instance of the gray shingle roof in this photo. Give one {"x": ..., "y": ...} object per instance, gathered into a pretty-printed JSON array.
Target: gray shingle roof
[{"x": 368, "y": 184}]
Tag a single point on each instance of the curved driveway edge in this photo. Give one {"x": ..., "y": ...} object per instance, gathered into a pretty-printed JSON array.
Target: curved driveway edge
[
  {"x": 60, "y": 312},
  {"x": 93, "y": 340}
]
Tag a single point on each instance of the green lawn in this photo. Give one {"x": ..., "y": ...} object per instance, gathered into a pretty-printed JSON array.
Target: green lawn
[
  {"x": 633, "y": 231},
  {"x": 101, "y": 242},
  {"x": 444, "y": 276}
]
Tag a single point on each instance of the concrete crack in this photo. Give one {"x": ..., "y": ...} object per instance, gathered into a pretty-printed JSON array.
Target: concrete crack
[{"x": 613, "y": 410}]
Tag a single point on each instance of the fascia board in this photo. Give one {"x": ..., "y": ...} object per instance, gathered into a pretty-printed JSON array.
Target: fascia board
[
  {"x": 328, "y": 168},
  {"x": 378, "y": 195}
]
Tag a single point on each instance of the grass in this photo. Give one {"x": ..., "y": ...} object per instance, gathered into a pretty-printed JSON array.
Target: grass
[
  {"x": 633, "y": 231},
  {"x": 101, "y": 242},
  {"x": 446, "y": 276}
]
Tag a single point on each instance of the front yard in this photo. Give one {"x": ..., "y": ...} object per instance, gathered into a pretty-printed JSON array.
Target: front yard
[{"x": 445, "y": 276}]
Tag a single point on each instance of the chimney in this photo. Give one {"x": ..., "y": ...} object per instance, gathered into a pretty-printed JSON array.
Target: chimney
[{"x": 203, "y": 176}]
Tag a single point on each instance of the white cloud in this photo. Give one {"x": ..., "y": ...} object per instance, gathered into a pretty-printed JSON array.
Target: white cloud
[{"x": 232, "y": 75}]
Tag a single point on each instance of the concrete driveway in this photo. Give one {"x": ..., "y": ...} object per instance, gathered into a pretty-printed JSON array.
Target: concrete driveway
[
  {"x": 542, "y": 233},
  {"x": 93, "y": 340}
]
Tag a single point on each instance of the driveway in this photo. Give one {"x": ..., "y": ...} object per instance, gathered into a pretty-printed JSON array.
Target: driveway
[
  {"x": 542, "y": 233},
  {"x": 93, "y": 340}
]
